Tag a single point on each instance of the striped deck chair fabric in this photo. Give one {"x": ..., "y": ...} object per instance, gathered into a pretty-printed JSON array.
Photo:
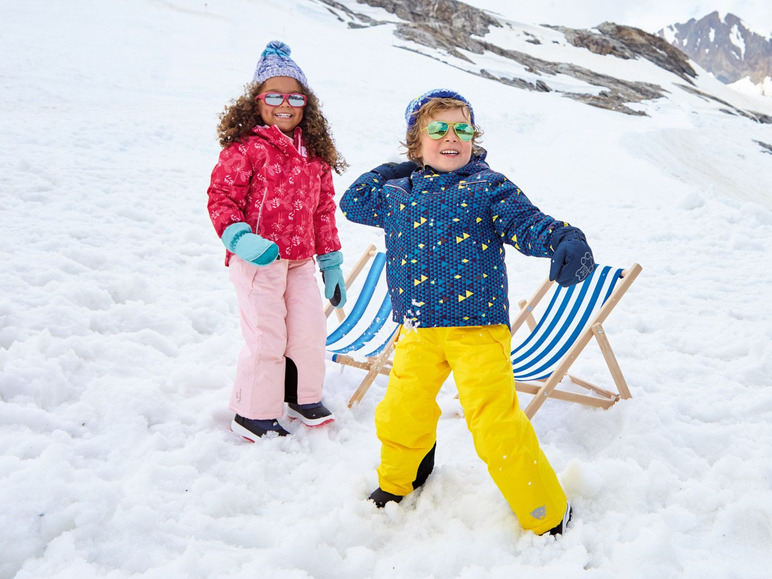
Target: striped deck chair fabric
[
  {"x": 570, "y": 319},
  {"x": 365, "y": 337}
]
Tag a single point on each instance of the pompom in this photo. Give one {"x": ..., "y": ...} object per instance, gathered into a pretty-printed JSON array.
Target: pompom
[{"x": 278, "y": 48}]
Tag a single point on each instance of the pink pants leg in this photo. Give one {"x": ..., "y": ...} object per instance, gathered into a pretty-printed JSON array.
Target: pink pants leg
[{"x": 281, "y": 315}]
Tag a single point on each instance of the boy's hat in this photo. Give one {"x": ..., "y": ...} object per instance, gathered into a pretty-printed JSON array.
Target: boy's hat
[
  {"x": 276, "y": 61},
  {"x": 411, "y": 112}
]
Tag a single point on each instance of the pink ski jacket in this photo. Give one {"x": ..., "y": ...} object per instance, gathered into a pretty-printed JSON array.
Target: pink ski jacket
[{"x": 269, "y": 183}]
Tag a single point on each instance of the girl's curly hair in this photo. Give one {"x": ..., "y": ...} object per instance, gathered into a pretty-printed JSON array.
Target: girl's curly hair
[
  {"x": 413, "y": 137},
  {"x": 241, "y": 116}
]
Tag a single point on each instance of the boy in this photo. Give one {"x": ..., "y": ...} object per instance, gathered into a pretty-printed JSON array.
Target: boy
[{"x": 445, "y": 223}]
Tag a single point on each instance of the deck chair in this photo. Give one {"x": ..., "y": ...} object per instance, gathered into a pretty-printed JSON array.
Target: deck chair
[
  {"x": 365, "y": 337},
  {"x": 572, "y": 317}
]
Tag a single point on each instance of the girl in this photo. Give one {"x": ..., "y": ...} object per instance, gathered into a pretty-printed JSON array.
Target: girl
[{"x": 271, "y": 200}]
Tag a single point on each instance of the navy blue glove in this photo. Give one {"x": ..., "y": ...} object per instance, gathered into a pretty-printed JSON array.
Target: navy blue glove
[
  {"x": 334, "y": 285},
  {"x": 391, "y": 171},
  {"x": 572, "y": 260},
  {"x": 239, "y": 239}
]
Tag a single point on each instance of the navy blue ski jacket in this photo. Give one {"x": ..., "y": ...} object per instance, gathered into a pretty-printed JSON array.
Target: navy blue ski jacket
[{"x": 445, "y": 235}]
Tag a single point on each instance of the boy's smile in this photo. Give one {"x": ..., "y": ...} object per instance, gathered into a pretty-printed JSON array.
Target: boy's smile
[
  {"x": 447, "y": 153},
  {"x": 284, "y": 116}
]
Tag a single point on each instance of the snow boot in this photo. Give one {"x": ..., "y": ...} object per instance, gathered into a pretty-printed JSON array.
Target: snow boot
[
  {"x": 251, "y": 430},
  {"x": 381, "y": 497},
  {"x": 561, "y": 527},
  {"x": 310, "y": 414}
]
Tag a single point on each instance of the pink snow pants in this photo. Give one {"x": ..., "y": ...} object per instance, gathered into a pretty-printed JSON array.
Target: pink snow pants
[{"x": 281, "y": 315}]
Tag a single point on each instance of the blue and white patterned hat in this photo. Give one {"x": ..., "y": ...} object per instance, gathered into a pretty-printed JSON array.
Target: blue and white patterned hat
[
  {"x": 276, "y": 61},
  {"x": 411, "y": 112}
]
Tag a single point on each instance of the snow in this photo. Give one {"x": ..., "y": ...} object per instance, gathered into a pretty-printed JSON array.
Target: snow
[
  {"x": 669, "y": 33},
  {"x": 119, "y": 329},
  {"x": 747, "y": 86},
  {"x": 736, "y": 38}
]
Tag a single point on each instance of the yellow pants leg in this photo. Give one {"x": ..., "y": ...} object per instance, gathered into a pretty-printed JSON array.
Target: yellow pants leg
[
  {"x": 406, "y": 418},
  {"x": 503, "y": 436}
]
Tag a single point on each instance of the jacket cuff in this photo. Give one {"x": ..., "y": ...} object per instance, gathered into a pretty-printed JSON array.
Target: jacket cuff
[{"x": 329, "y": 260}]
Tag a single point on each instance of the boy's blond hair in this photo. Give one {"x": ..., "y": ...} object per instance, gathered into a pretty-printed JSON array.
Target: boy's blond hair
[{"x": 437, "y": 105}]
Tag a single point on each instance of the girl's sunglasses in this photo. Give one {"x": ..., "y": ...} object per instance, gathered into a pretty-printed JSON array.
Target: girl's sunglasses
[
  {"x": 438, "y": 129},
  {"x": 276, "y": 99}
]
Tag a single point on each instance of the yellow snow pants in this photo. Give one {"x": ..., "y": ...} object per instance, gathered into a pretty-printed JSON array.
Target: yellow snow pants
[{"x": 406, "y": 419}]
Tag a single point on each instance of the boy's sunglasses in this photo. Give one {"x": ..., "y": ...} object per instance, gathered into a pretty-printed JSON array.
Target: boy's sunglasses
[
  {"x": 276, "y": 99},
  {"x": 438, "y": 129}
]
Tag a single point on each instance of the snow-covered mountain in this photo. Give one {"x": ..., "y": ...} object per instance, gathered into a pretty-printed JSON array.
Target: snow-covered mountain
[
  {"x": 616, "y": 67},
  {"x": 119, "y": 331},
  {"x": 725, "y": 46}
]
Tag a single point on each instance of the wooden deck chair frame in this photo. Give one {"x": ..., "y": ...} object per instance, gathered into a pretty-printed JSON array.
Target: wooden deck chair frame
[
  {"x": 375, "y": 365},
  {"x": 547, "y": 388}
]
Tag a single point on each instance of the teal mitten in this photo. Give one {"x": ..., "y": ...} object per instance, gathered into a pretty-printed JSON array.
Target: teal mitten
[
  {"x": 239, "y": 239},
  {"x": 334, "y": 286}
]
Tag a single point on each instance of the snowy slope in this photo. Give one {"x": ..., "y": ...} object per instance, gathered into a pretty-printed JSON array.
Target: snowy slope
[{"x": 119, "y": 329}]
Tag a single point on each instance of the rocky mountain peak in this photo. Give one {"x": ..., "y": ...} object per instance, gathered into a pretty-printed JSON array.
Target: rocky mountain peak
[{"x": 724, "y": 46}]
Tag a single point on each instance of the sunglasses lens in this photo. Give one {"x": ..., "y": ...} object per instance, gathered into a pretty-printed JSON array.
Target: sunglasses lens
[
  {"x": 465, "y": 132},
  {"x": 437, "y": 129},
  {"x": 274, "y": 99},
  {"x": 297, "y": 100}
]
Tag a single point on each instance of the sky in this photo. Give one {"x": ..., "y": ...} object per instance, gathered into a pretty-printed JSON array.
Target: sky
[{"x": 650, "y": 15}]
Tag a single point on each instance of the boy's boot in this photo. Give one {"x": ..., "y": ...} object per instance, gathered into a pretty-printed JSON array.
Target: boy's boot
[
  {"x": 381, "y": 497},
  {"x": 561, "y": 527}
]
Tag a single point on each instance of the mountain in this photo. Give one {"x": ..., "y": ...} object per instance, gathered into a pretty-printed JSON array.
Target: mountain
[
  {"x": 584, "y": 65},
  {"x": 725, "y": 46}
]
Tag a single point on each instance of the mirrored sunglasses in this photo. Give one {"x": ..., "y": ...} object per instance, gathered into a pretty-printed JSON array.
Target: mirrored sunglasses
[
  {"x": 438, "y": 129},
  {"x": 275, "y": 99}
]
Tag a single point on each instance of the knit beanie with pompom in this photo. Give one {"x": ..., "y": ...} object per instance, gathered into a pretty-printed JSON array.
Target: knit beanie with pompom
[{"x": 276, "y": 61}]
